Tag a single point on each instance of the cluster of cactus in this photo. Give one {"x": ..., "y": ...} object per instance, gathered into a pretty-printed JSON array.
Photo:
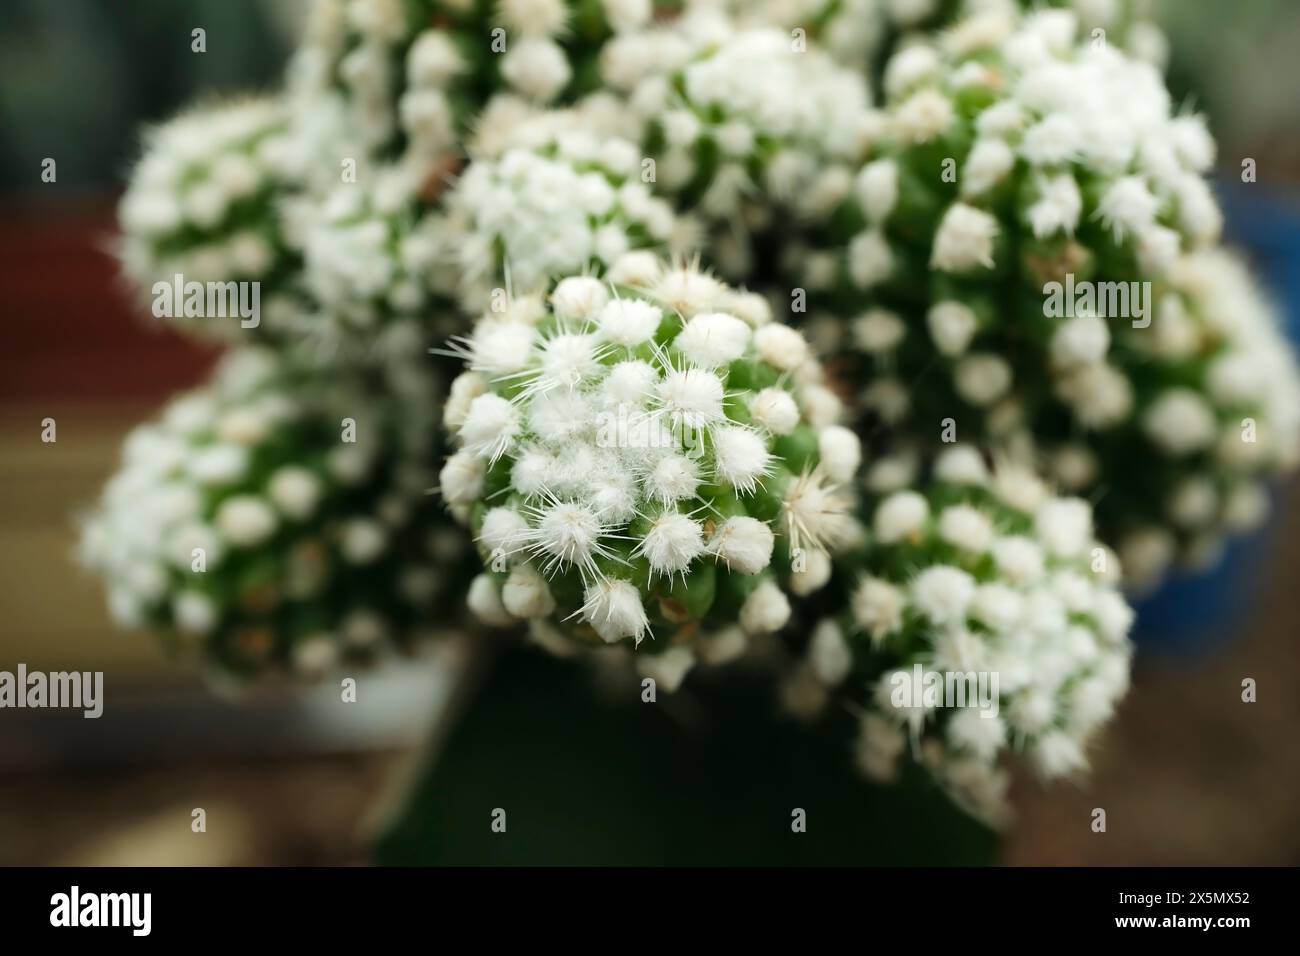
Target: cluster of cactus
[
  {"x": 277, "y": 518},
  {"x": 982, "y": 575},
  {"x": 202, "y": 201},
  {"x": 528, "y": 200},
  {"x": 1030, "y": 259}
]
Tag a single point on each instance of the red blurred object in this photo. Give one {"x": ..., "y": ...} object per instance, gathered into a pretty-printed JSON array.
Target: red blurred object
[{"x": 69, "y": 329}]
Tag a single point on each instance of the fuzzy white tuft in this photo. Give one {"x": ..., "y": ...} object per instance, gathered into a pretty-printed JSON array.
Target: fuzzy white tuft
[
  {"x": 362, "y": 541},
  {"x": 997, "y": 606},
  {"x": 713, "y": 339},
  {"x": 741, "y": 458},
  {"x": 1019, "y": 487},
  {"x": 295, "y": 491},
  {"x": 989, "y": 162},
  {"x": 775, "y": 409},
  {"x": 817, "y": 513},
  {"x": 526, "y": 593},
  {"x": 744, "y": 544},
  {"x": 1081, "y": 340},
  {"x": 567, "y": 360},
  {"x": 943, "y": 594},
  {"x": 537, "y": 68},
  {"x": 902, "y": 515},
  {"x": 613, "y": 608},
  {"x": 815, "y": 574},
  {"x": 1180, "y": 422},
  {"x": 484, "y": 600},
  {"x": 964, "y": 240},
  {"x": 1019, "y": 559},
  {"x": 1064, "y": 526},
  {"x": 870, "y": 258},
  {"x": 1058, "y": 207},
  {"x": 952, "y": 326},
  {"x": 499, "y": 348},
  {"x": 781, "y": 346},
  {"x": 766, "y": 610},
  {"x": 962, "y": 465},
  {"x": 877, "y": 189},
  {"x": 629, "y": 322},
  {"x": 630, "y": 383},
  {"x": 923, "y": 116},
  {"x": 840, "y": 452},
  {"x": 672, "y": 543},
  {"x": 1058, "y": 754},
  {"x": 579, "y": 297},
  {"x": 461, "y": 479},
  {"x": 879, "y": 331},
  {"x": 490, "y": 427},
  {"x": 465, "y": 387},
  {"x": 982, "y": 378},
  {"x": 1128, "y": 207},
  {"x": 195, "y": 614},
  {"x": 669, "y": 669},
  {"x": 502, "y": 530},
  {"x": 692, "y": 398},
  {"x": 245, "y": 521},
  {"x": 980, "y": 733},
  {"x": 829, "y": 654},
  {"x": 640, "y": 269},
  {"x": 966, "y": 527},
  {"x": 673, "y": 478},
  {"x": 568, "y": 534}
]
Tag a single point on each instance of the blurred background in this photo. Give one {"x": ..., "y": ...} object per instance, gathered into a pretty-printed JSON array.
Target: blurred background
[{"x": 1187, "y": 773}]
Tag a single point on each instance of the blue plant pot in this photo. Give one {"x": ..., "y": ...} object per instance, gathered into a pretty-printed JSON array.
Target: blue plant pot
[{"x": 1192, "y": 614}]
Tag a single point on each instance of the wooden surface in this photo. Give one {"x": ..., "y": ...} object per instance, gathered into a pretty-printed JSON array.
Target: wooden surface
[
  {"x": 54, "y": 612},
  {"x": 1188, "y": 773}
]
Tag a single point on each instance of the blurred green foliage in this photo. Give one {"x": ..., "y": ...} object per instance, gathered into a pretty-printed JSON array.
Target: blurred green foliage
[
  {"x": 78, "y": 77},
  {"x": 1235, "y": 61}
]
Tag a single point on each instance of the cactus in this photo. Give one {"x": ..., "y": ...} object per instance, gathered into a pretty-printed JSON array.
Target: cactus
[
  {"x": 980, "y": 616},
  {"x": 646, "y": 460},
  {"x": 202, "y": 202},
  {"x": 276, "y": 519}
]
